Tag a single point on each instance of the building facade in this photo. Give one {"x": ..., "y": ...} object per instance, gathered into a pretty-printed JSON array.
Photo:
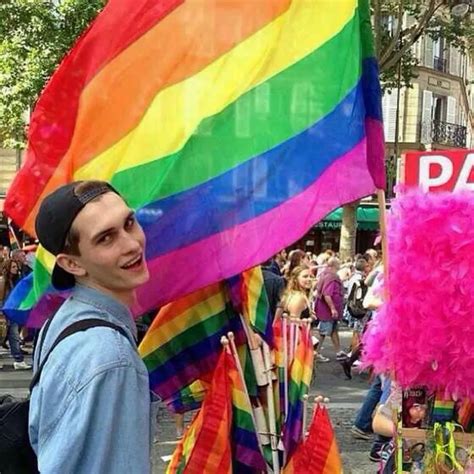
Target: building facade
[{"x": 436, "y": 112}]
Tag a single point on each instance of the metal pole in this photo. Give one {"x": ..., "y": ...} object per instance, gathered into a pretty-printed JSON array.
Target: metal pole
[{"x": 396, "y": 145}]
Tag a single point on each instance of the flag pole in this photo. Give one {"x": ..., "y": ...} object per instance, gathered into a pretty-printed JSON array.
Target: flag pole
[
  {"x": 231, "y": 339},
  {"x": 285, "y": 362},
  {"x": 271, "y": 409},
  {"x": 255, "y": 354},
  {"x": 292, "y": 340},
  {"x": 383, "y": 234},
  {"x": 305, "y": 415}
]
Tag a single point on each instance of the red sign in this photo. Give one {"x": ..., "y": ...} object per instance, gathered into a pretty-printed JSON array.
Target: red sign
[{"x": 441, "y": 170}]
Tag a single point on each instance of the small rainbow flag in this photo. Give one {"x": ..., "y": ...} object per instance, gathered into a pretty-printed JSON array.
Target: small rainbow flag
[
  {"x": 183, "y": 343},
  {"x": 279, "y": 389},
  {"x": 245, "y": 445},
  {"x": 300, "y": 372},
  {"x": 206, "y": 445},
  {"x": 243, "y": 127},
  {"x": 319, "y": 453},
  {"x": 248, "y": 295},
  {"x": 189, "y": 398}
]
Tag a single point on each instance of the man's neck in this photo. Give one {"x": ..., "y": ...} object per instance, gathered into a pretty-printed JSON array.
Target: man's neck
[{"x": 127, "y": 298}]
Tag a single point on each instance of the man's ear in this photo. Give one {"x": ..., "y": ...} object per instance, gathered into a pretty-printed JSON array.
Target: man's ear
[{"x": 70, "y": 264}]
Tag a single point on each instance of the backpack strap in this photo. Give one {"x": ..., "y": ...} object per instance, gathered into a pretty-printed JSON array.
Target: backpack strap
[{"x": 78, "y": 326}]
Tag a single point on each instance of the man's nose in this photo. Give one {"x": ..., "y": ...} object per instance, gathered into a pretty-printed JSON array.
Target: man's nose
[{"x": 130, "y": 241}]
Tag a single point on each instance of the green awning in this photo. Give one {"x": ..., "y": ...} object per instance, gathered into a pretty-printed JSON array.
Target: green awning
[{"x": 367, "y": 219}]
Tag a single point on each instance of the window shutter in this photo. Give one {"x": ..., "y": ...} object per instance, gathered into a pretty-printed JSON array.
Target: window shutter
[
  {"x": 454, "y": 61},
  {"x": 451, "y": 110},
  {"x": 426, "y": 117},
  {"x": 389, "y": 109},
  {"x": 428, "y": 59}
]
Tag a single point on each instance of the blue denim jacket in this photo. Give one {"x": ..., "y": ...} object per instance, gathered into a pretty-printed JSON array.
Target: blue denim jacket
[{"x": 91, "y": 410}]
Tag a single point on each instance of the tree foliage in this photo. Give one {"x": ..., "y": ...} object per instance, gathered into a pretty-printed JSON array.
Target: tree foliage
[
  {"x": 394, "y": 39},
  {"x": 34, "y": 36}
]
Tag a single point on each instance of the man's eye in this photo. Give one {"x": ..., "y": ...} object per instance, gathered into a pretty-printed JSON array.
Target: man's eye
[
  {"x": 105, "y": 239},
  {"x": 130, "y": 222}
]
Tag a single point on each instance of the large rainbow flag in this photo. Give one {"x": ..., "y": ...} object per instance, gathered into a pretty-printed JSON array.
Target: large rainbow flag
[{"x": 231, "y": 127}]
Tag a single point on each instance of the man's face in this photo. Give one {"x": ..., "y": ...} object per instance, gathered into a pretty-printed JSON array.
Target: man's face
[
  {"x": 111, "y": 245},
  {"x": 20, "y": 257}
]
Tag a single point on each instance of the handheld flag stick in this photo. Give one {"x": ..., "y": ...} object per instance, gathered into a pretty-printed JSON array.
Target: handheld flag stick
[
  {"x": 285, "y": 362},
  {"x": 271, "y": 408},
  {"x": 292, "y": 341},
  {"x": 383, "y": 234},
  {"x": 305, "y": 414},
  {"x": 255, "y": 354}
]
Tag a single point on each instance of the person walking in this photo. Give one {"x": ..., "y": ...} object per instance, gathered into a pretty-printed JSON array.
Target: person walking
[
  {"x": 91, "y": 410},
  {"x": 11, "y": 276},
  {"x": 330, "y": 305}
]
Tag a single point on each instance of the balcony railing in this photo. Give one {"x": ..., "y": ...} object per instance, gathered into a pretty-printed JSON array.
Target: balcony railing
[
  {"x": 443, "y": 133},
  {"x": 440, "y": 64}
]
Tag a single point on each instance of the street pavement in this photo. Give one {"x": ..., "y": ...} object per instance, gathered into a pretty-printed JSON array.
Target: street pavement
[{"x": 345, "y": 397}]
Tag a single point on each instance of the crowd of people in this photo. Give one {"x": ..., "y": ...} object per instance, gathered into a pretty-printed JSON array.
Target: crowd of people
[
  {"x": 335, "y": 293},
  {"x": 13, "y": 267},
  {"x": 329, "y": 291}
]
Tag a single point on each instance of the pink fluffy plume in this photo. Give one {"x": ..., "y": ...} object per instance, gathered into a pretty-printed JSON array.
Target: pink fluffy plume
[{"x": 424, "y": 334}]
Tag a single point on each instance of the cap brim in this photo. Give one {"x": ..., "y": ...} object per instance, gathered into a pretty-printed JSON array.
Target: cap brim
[{"x": 61, "y": 279}]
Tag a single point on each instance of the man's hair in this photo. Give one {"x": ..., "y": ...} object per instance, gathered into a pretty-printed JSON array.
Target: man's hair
[
  {"x": 71, "y": 244},
  {"x": 334, "y": 262},
  {"x": 360, "y": 264}
]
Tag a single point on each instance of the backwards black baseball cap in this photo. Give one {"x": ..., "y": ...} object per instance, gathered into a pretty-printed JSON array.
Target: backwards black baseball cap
[{"x": 55, "y": 217}]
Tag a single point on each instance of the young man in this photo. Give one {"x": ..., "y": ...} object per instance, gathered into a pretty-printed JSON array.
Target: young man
[{"x": 91, "y": 409}]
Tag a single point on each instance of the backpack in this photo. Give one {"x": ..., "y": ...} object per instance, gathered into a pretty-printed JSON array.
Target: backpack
[
  {"x": 355, "y": 300},
  {"x": 16, "y": 453}
]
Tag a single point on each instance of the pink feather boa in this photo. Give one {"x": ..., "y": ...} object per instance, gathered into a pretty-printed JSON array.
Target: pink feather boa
[{"x": 424, "y": 335}]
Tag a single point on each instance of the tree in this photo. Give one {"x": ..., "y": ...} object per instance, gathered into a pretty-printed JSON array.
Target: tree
[
  {"x": 34, "y": 36},
  {"x": 394, "y": 41}
]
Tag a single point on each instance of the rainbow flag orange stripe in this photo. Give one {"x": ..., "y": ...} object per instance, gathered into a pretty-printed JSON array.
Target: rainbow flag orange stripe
[{"x": 231, "y": 145}]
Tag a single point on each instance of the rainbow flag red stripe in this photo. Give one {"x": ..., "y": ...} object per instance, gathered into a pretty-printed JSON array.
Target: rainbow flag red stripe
[{"x": 234, "y": 134}]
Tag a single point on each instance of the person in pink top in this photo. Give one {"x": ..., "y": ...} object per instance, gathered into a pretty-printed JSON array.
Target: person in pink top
[{"x": 330, "y": 305}]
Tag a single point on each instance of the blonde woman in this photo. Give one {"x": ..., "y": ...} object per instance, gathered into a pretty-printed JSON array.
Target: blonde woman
[{"x": 296, "y": 299}]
